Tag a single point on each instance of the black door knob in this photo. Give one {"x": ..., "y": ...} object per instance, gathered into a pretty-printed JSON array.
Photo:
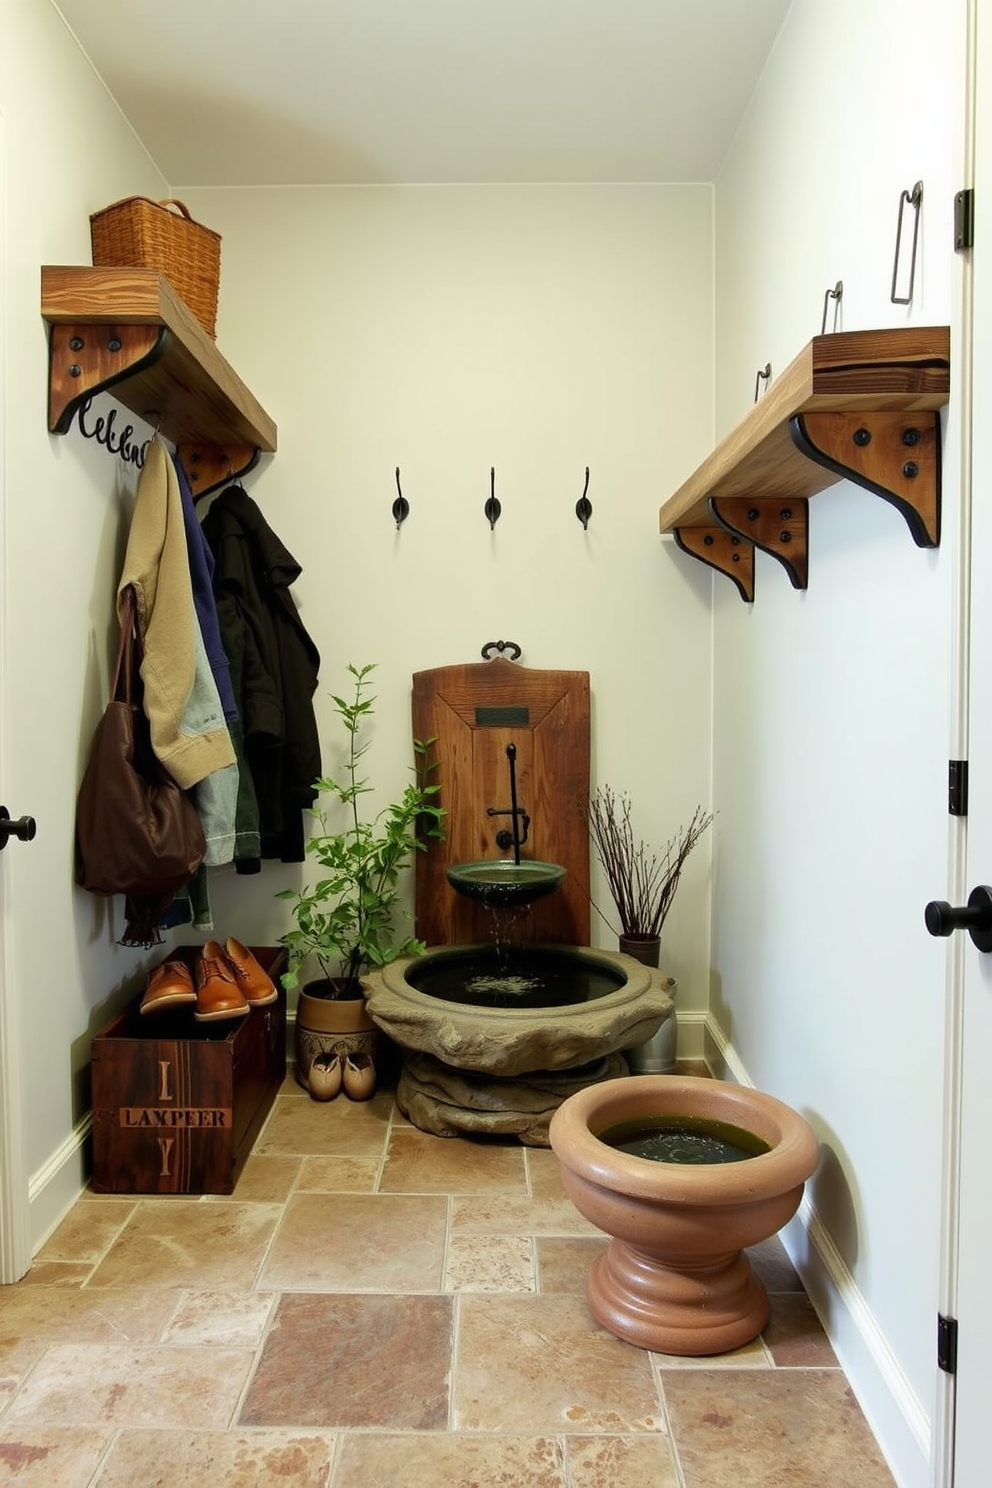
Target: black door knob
[
  {"x": 24, "y": 827},
  {"x": 942, "y": 918}
]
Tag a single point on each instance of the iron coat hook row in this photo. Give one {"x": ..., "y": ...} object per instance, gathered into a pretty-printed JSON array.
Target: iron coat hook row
[{"x": 493, "y": 507}]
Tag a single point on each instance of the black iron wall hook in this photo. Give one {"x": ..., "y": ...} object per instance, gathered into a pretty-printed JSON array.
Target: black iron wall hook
[
  {"x": 492, "y": 507},
  {"x": 836, "y": 294},
  {"x": 912, "y": 199},
  {"x": 401, "y": 507},
  {"x": 583, "y": 507},
  {"x": 763, "y": 374}
]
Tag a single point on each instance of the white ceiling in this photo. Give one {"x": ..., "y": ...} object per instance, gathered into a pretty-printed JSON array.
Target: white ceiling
[{"x": 313, "y": 92}]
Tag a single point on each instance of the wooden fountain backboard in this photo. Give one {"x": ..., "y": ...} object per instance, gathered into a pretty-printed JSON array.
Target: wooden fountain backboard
[{"x": 473, "y": 712}]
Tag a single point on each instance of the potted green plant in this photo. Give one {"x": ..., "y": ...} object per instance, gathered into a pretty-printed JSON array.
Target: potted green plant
[
  {"x": 642, "y": 881},
  {"x": 347, "y": 920}
]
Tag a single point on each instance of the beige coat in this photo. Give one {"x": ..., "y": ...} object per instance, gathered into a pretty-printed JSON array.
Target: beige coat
[{"x": 190, "y": 742}]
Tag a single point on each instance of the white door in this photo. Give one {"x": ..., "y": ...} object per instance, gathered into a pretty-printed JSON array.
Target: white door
[{"x": 967, "y": 1284}]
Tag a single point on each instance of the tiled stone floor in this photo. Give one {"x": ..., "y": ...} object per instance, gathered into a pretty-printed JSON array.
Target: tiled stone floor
[{"x": 374, "y": 1306}]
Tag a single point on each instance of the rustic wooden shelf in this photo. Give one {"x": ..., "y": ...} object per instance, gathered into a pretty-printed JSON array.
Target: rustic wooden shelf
[
  {"x": 127, "y": 331},
  {"x": 857, "y": 405}
]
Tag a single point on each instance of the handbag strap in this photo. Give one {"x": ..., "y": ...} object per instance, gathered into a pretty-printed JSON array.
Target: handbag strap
[{"x": 125, "y": 660}]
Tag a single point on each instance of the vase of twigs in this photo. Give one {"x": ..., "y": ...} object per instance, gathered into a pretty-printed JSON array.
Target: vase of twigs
[{"x": 642, "y": 882}]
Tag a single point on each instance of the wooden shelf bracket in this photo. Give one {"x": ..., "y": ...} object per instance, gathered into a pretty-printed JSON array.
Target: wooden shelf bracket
[
  {"x": 85, "y": 359},
  {"x": 723, "y": 550},
  {"x": 894, "y": 455},
  {"x": 780, "y": 528}
]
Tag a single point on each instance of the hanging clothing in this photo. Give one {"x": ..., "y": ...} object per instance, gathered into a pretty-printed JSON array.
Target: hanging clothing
[
  {"x": 188, "y": 730},
  {"x": 201, "y": 573},
  {"x": 274, "y": 667}
]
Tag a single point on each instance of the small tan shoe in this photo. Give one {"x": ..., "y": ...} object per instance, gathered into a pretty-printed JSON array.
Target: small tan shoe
[
  {"x": 324, "y": 1079},
  {"x": 217, "y": 993},
  {"x": 359, "y": 1077},
  {"x": 256, "y": 986},
  {"x": 168, "y": 985}
]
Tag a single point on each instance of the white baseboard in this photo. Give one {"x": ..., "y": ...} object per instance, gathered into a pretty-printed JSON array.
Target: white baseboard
[
  {"x": 54, "y": 1188},
  {"x": 895, "y": 1414}
]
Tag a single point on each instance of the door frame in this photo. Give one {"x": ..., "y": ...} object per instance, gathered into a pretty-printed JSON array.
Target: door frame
[
  {"x": 15, "y": 1228},
  {"x": 942, "y": 1437}
]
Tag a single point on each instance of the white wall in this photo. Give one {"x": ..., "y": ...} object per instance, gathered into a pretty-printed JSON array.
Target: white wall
[
  {"x": 831, "y": 730},
  {"x": 68, "y": 152},
  {"x": 449, "y": 330}
]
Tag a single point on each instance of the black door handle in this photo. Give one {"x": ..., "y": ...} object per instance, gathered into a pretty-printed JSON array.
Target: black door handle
[
  {"x": 24, "y": 827},
  {"x": 976, "y": 917}
]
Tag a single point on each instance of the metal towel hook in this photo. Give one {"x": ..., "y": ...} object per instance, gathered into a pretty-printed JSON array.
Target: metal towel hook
[
  {"x": 583, "y": 507},
  {"x": 401, "y": 507},
  {"x": 914, "y": 199},
  {"x": 492, "y": 507},
  {"x": 837, "y": 293},
  {"x": 763, "y": 374}
]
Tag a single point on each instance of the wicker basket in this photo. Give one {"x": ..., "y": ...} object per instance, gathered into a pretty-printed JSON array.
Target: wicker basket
[{"x": 144, "y": 234}]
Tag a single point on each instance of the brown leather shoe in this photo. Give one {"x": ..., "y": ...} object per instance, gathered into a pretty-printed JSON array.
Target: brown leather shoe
[
  {"x": 256, "y": 986},
  {"x": 217, "y": 993},
  {"x": 168, "y": 985},
  {"x": 359, "y": 1077}
]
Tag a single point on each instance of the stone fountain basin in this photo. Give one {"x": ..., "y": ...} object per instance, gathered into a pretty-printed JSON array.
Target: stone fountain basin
[
  {"x": 499, "y": 882},
  {"x": 514, "y": 1040}
]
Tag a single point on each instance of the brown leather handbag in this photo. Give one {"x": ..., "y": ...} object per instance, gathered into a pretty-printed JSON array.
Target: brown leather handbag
[{"x": 137, "y": 832}]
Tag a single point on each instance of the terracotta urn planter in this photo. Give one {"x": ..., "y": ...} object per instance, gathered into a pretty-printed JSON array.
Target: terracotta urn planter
[
  {"x": 674, "y": 1277},
  {"x": 330, "y": 1025}
]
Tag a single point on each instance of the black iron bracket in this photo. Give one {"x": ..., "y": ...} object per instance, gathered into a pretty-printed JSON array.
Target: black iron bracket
[{"x": 893, "y": 455}]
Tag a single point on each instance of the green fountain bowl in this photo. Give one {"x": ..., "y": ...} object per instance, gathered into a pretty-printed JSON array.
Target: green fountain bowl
[{"x": 499, "y": 882}]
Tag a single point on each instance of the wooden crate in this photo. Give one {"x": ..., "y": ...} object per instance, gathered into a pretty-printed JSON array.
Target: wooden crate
[{"x": 177, "y": 1104}]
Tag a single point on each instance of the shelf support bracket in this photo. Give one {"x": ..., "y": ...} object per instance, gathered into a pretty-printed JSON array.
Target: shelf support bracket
[
  {"x": 893, "y": 455},
  {"x": 780, "y": 528},
  {"x": 723, "y": 550},
  {"x": 85, "y": 359},
  {"x": 208, "y": 467}
]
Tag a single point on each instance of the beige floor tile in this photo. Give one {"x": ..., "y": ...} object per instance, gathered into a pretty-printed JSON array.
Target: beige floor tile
[
  {"x": 379, "y": 1362},
  {"x": 620, "y": 1462},
  {"x": 90, "y": 1384},
  {"x": 358, "y": 1242},
  {"x": 339, "y": 1175},
  {"x": 186, "y": 1243},
  {"x": 738, "y": 1428},
  {"x": 263, "y": 1180},
  {"x": 87, "y": 1230},
  {"x": 541, "y": 1364},
  {"x": 221, "y": 1319},
  {"x": 305, "y": 1127},
  {"x": 57, "y": 1274},
  {"x": 751, "y": 1355},
  {"x": 794, "y": 1335},
  {"x": 30, "y": 1320},
  {"x": 508, "y": 1215},
  {"x": 417, "y": 1162},
  {"x": 486, "y": 1263},
  {"x": 441, "y": 1461},
  {"x": 50, "y": 1456},
  {"x": 215, "y": 1459},
  {"x": 544, "y": 1171},
  {"x": 563, "y": 1264}
]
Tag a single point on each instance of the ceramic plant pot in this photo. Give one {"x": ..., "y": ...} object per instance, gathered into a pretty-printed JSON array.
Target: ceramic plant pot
[
  {"x": 330, "y": 1025},
  {"x": 674, "y": 1278}
]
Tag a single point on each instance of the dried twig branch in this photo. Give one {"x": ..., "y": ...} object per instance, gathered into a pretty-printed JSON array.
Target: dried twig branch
[{"x": 642, "y": 881}]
